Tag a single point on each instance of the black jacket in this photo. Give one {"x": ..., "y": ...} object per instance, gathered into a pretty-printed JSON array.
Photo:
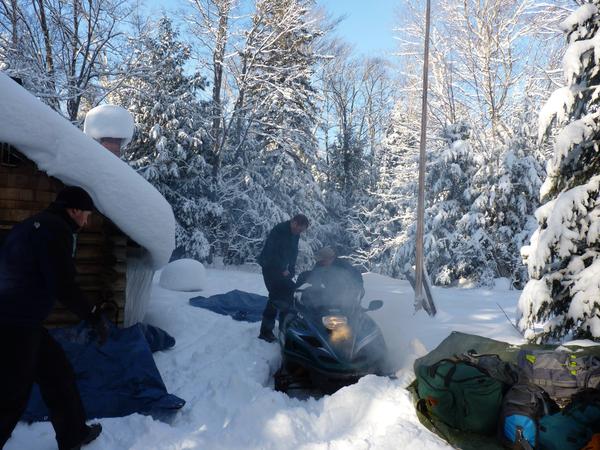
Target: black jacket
[
  {"x": 37, "y": 268},
  {"x": 280, "y": 250}
]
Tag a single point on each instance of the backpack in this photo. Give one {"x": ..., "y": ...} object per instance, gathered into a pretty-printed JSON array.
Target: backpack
[
  {"x": 574, "y": 426},
  {"x": 522, "y": 408},
  {"x": 460, "y": 395},
  {"x": 506, "y": 372},
  {"x": 561, "y": 374}
]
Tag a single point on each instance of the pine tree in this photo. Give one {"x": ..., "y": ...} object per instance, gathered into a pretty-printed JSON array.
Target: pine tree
[
  {"x": 167, "y": 148},
  {"x": 382, "y": 223},
  {"x": 448, "y": 202},
  {"x": 348, "y": 167},
  {"x": 280, "y": 98},
  {"x": 512, "y": 202},
  {"x": 267, "y": 168},
  {"x": 563, "y": 258},
  {"x": 257, "y": 196}
]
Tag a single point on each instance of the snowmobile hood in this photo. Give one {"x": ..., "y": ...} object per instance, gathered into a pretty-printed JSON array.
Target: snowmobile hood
[{"x": 354, "y": 348}]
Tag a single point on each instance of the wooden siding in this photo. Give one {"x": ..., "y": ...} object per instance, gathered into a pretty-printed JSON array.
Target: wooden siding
[{"x": 101, "y": 256}]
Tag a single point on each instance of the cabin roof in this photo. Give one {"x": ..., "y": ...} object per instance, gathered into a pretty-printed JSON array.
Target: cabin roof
[{"x": 65, "y": 152}]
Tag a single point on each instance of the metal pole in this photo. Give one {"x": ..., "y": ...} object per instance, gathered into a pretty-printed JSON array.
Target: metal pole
[{"x": 422, "y": 159}]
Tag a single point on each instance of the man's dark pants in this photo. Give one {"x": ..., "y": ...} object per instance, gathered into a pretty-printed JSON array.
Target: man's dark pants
[
  {"x": 30, "y": 354},
  {"x": 280, "y": 290}
]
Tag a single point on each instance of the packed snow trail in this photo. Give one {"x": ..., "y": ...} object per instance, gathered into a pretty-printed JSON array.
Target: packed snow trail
[{"x": 225, "y": 374}]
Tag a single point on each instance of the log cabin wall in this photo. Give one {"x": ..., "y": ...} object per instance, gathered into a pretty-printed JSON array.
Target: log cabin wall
[{"x": 101, "y": 249}]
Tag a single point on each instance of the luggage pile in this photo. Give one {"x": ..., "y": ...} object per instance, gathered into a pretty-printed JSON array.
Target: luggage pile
[{"x": 519, "y": 398}]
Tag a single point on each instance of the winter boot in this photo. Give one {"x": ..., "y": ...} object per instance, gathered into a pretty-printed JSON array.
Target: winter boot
[
  {"x": 267, "y": 336},
  {"x": 93, "y": 431}
]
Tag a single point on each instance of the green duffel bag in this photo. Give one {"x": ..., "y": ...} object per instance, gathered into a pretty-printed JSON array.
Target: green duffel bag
[{"x": 460, "y": 395}]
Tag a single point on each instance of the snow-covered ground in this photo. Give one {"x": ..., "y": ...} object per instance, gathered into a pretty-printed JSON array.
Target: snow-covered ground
[{"x": 225, "y": 374}]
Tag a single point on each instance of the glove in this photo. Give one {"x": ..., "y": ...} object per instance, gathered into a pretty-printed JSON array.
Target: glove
[{"x": 99, "y": 324}]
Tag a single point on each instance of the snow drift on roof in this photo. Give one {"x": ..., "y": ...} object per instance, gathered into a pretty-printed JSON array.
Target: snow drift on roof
[{"x": 63, "y": 151}]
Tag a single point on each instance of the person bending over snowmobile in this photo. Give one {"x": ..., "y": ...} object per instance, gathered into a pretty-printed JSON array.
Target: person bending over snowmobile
[
  {"x": 37, "y": 268},
  {"x": 278, "y": 262}
]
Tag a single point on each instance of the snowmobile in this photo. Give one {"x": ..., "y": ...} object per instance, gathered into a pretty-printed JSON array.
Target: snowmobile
[{"x": 327, "y": 340}]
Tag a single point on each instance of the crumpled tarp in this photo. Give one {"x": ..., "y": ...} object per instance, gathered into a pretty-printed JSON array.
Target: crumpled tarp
[
  {"x": 242, "y": 306},
  {"x": 116, "y": 379}
]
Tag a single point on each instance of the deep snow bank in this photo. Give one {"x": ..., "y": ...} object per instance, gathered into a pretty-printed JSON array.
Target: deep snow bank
[{"x": 225, "y": 373}]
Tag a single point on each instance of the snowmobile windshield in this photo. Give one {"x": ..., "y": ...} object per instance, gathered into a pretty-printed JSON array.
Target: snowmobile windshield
[{"x": 332, "y": 288}]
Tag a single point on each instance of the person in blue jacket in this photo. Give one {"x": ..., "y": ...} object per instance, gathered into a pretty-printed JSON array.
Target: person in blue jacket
[
  {"x": 278, "y": 262},
  {"x": 36, "y": 268}
]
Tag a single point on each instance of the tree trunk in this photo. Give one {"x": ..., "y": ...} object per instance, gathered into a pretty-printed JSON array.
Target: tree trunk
[
  {"x": 50, "y": 71},
  {"x": 218, "y": 57}
]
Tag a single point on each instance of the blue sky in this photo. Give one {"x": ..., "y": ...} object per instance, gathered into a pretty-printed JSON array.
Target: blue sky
[{"x": 368, "y": 25}]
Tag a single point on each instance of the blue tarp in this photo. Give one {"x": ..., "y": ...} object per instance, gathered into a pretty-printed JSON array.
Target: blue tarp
[
  {"x": 157, "y": 338},
  {"x": 116, "y": 379},
  {"x": 240, "y": 305}
]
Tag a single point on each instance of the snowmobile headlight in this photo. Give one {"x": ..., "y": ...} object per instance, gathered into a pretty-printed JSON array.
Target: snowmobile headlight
[{"x": 334, "y": 322}]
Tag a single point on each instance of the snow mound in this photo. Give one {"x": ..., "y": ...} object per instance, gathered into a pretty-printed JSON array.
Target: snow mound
[
  {"x": 109, "y": 121},
  {"x": 183, "y": 275},
  {"x": 63, "y": 151}
]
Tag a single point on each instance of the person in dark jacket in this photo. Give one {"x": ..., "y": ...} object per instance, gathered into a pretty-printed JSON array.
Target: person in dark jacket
[
  {"x": 37, "y": 268},
  {"x": 278, "y": 262}
]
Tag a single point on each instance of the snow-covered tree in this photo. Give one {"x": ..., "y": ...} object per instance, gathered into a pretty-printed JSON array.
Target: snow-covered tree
[
  {"x": 563, "y": 258},
  {"x": 61, "y": 49},
  {"x": 347, "y": 151},
  {"x": 485, "y": 57},
  {"x": 348, "y": 169},
  {"x": 167, "y": 148},
  {"x": 268, "y": 155},
  {"x": 382, "y": 222},
  {"x": 510, "y": 204},
  {"x": 255, "y": 197},
  {"x": 280, "y": 98},
  {"x": 448, "y": 202}
]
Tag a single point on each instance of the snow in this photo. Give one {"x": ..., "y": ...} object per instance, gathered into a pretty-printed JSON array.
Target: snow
[
  {"x": 535, "y": 293},
  {"x": 562, "y": 217},
  {"x": 183, "y": 275},
  {"x": 109, "y": 121},
  {"x": 574, "y": 133},
  {"x": 225, "y": 374},
  {"x": 63, "y": 151},
  {"x": 579, "y": 17},
  {"x": 576, "y": 57},
  {"x": 586, "y": 290},
  {"x": 559, "y": 105}
]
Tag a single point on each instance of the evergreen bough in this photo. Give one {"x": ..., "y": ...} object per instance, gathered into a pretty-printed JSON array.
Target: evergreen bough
[{"x": 563, "y": 258}]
